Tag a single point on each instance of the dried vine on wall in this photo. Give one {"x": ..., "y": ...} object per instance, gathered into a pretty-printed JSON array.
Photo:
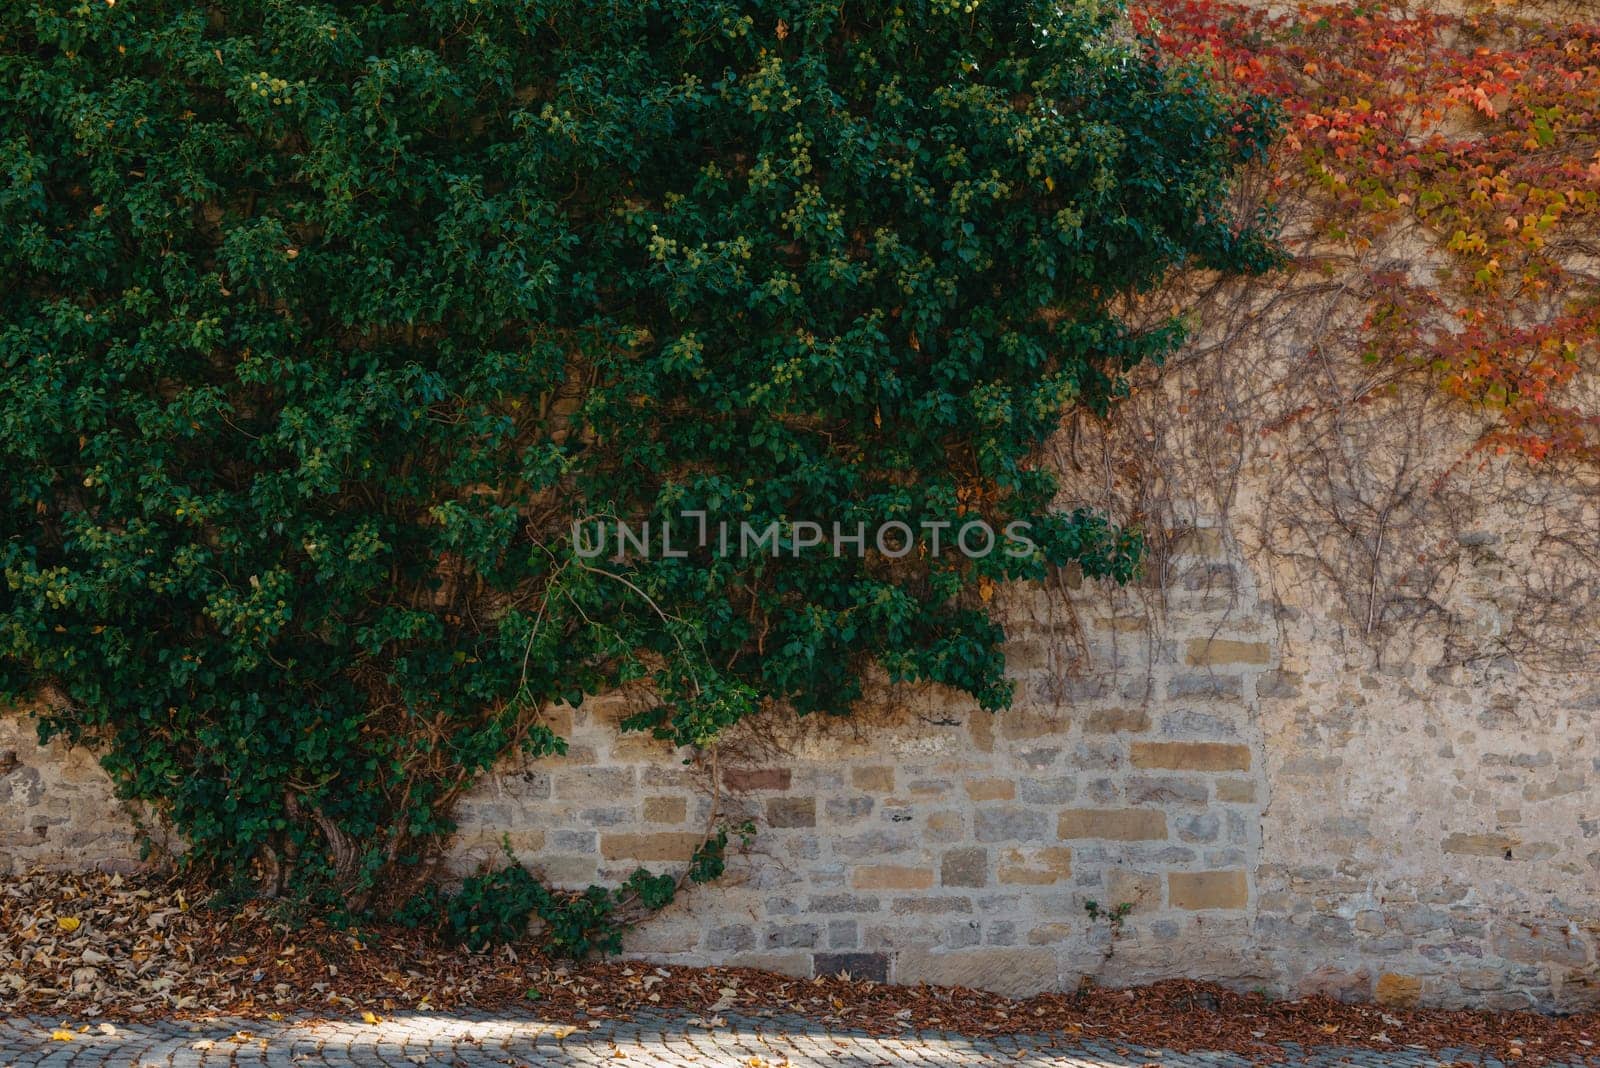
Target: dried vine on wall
[{"x": 1405, "y": 422}]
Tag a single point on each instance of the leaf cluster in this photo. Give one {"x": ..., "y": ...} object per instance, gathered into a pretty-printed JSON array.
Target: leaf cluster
[{"x": 326, "y": 322}]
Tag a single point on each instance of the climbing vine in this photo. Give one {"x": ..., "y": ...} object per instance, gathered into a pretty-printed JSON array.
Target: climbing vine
[
  {"x": 1473, "y": 139},
  {"x": 329, "y": 327},
  {"x": 1398, "y": 429}
]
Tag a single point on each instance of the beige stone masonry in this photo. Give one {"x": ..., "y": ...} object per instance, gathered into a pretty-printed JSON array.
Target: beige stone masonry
[{"x": 1270, "y": 818}]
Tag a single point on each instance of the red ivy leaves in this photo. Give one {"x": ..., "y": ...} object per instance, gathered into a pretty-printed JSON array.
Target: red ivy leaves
[{"x": 1483, "y": 132}]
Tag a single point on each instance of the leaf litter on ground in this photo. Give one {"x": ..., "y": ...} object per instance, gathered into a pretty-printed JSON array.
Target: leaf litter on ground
[{"x": 137, "y": 950}]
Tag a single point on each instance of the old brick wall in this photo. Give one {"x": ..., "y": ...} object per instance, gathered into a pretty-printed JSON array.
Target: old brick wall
[
  {"x": 1278, "y": 815},
  {"x": 1432, "y": 832},
  {"x": 1343, "y": 739},
  {"x": 927, "y": 841},
  {"x": 57, "y": 807}
]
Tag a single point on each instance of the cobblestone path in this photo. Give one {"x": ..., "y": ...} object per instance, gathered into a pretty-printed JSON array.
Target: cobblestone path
[{"x": 674, "y": 1041}]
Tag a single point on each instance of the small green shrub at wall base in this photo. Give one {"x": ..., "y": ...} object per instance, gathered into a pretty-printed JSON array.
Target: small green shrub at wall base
[
  {"x": 497, "y": 907},
  {"x": 324, "y": 324},
  {"x": 1115, "y": 918}
]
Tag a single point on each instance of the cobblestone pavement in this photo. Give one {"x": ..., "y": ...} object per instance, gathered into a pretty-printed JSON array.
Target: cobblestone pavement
[{"x": 672, "y": 1041}]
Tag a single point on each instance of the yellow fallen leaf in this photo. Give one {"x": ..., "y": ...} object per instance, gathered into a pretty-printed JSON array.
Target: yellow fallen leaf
[
  {"x": 371, "y": 1017},
  {"x": 61, "y": 1034},
  {"x": 241, "y": 959},
  {"x": 68, "y": 923}
]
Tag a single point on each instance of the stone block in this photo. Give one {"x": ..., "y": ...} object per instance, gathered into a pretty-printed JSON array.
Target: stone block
[
  {"x": 991, "y": 789},
  {"x": 1278, "y": 685},
  {"x": 1236, "y": 791},
  {"x": 932, "y": 906},
  {"x": 1010, "y": 825},
  {"x": 1036, "y": 867},
  {"x": 730, "y": 938},
  {"x": 659, "y": 846},
  {"x": 1205, "y": 684},
  {"x": 1140, "y": 889},
  {"x": 1201, "y": 890},
  {"x": 842, "y": 903},
  {"x": 1053, "y": 934},
  {"x": 569, "y": 842},
  {"x": 1112, "y": 824},
  {"x": 1116, "y": 721},
  {"x": 593, "y": 784},
  {"x": 1198, "y": 827},
  {"x": 1189, "y": 723},
  {"x": 1330, "y": 982},
  {"x": 874, "y": 779},
  {"x": 964, "y": 867},
  {"x": 792, "y": 936},
  {"x": 634, "y": 748},
  {"x": 1011, "y": 971},
  {"x": 797, "y": 965},
  {"x": 791, "y": 812},
  {"x": 1499, "y": 846},
  {"x": 602, "y": 816},
  {"x": 1398, "y": 991},
  {"x": 1540, "y": 943},
  {"x": 666, "y": 809},
  {"x": 874, "y": 843},
  {"x": 849, "y": 809},
  {"x": 945, "y": 827},
  {"x": 873, "y": 966},
  {"x": 961, "y": 934},
  {"x": 1215, "y": 652},
  {"x": 1480, "y": 845},
  {"x": 980, "y": 725},
  {"x": 1190, "y": 756},
  {"x": 1568, "y": 782},
  {"x": 1022, "y": 723},
  {"x": 891, "y": 877},
  {"x": 740, "y": 780},
  {"x": 1053, "y": 791}
]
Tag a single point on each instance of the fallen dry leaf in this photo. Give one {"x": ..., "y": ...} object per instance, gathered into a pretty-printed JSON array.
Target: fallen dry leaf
[{"x": 146, "y": 948}]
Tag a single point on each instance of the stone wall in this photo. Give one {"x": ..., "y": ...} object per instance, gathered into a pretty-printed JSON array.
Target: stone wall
[
  {"x": 57, "y": 807},
  {"x": 1276, "y": 814},
  {"x": 1343, "y": 739},
  {"x": 927, "y": 841}
]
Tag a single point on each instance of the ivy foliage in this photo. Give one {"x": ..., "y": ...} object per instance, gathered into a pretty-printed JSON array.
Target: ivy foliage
[
  {"x": 497, "y": 907},
  {"x": 324, "y": 323}
]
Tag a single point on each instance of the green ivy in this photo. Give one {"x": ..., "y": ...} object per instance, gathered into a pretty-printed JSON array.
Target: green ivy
[
  {"x": 497, "y": 906},
  {"x": 324, "y": 323}
]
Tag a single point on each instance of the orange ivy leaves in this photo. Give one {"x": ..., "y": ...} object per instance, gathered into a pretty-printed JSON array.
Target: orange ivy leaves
[{"x": 1477, "y": 136}]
